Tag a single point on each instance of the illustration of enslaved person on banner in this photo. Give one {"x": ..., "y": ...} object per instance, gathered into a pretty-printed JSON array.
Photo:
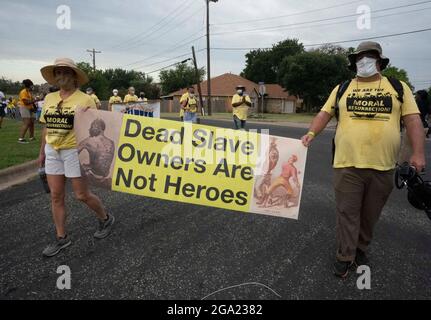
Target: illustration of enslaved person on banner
[{"x": 225, "y": 168}]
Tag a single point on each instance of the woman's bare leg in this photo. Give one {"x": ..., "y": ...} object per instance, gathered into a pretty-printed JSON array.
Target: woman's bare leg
[
  {"x": 24, "y": 127},
  {"x": 57, "y": 186},
  {"x": 83, "y": 193}
]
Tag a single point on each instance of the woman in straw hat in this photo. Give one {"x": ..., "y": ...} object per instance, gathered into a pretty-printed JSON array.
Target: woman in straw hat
[{"x": 58, "y": 151}]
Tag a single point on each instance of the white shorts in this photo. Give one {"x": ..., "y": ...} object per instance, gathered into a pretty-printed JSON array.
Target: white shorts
[
  {"x": 62, "y": 162},
  {"x": 25, "y": 113}
]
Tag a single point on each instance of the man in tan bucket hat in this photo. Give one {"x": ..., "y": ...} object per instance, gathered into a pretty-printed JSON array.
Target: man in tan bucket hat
[
  {"x": 365, "y": 149},
  {"x": 59, "y": 153}
]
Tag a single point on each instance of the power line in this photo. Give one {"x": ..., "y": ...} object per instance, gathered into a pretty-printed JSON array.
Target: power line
[
  {"x": 170, "y": 59},
  {"x": 174, "y": 47},
  {"x": 312, "y": 21},
  {"x": 335, "y": 42},
  {"x": 153, "y": 26},
  {"x": 153, "y": 37},
  {"x": 287, "y": 15},
  {"x": 374, "y": 18},
  {"x": 171, "y": 65}
]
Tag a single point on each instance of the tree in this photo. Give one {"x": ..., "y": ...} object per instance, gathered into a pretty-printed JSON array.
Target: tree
[
  {"x": 332, "y": 49},
  {"x": 399, "y": 74},
  {"x": 312, "y": 76},
  {"x": 181, "y": 77},
  {"x": 152, "y": 91},
  {"x": 8, "y": 86},
  {"x": 99, "y": 84},
  {"x": 264, "y": 64}
]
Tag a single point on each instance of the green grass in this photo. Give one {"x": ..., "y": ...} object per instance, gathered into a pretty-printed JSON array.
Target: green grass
[
  {"x": 267, "y": 117},
  {"x": 12, "y": 152}
]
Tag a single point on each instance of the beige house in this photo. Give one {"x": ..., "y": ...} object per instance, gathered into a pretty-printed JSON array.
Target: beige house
[{"x": 276, "y": 99}]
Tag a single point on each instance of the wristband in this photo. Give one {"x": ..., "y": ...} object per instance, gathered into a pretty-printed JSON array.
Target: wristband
[{"x": 311, "y": 133}]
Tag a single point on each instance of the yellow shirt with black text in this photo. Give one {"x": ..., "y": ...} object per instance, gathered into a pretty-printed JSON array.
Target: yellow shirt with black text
[
  {"x": 192, "y": 103},
  {"x": 115, "y": 99},
  {"x": 58, "y": 115},
  {"x": 368, "y": 132},
  {"x": 130, "y": 98},
  {"x": 241, "y": 111}
]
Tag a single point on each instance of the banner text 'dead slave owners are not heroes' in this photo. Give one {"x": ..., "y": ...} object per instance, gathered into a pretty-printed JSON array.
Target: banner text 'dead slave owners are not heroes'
[{"x": 198, "y": 164}]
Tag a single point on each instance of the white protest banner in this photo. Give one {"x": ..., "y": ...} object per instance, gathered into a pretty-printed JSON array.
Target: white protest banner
[{"x": 150, "y": 106}]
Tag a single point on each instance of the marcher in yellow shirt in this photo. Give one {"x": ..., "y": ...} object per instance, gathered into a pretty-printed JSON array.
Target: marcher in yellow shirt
[
  {"x": 130, "y": 96},
  {"x": 26, "y": 109},
  {"x": 367, "y": 143},
  {"x": 92, "y": 94},
  {"x": 148, "y": 112},
  {"x": 11, "y": 107},
  {"x": 189, "y": 105},
  {"x": 240, "y": 104},
  {"x": 114, "y": 99},
  {"x": 58, "y": 151}
]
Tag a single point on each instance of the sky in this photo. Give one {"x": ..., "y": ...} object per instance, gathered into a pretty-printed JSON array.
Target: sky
[{"x": 146, "y": 35}]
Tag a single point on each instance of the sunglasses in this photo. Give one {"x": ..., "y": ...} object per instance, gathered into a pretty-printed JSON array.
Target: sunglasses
[{"x": 59, "y": 107}]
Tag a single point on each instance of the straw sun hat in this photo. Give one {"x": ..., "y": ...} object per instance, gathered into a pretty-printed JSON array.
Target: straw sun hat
[{"x": 48, "y": 71}]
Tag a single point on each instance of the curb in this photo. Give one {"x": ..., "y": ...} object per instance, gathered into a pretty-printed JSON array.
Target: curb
[
  {"x": 331, "y": 125},
  {"x": 18, "y": 174}
]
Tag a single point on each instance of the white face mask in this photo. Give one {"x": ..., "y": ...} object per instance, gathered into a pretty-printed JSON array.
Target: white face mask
[
  {"x": 367, "y": 67},
  {"x": 115, "y": 93}
]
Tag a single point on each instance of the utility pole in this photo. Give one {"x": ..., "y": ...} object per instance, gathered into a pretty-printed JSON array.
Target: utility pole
[
  {"x": 208, "y": 56},
  {"x": 198, "y": 81},
  {"x": 93, "y": 53}
]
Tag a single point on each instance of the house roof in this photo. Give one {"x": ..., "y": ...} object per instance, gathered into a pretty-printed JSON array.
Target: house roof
[{"x": 225, "y": 86}]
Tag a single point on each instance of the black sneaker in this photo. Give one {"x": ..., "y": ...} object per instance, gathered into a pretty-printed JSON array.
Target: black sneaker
[
  {"x": 341, "y": 268},
  {"x": 55, "y": 247},
  {"x": 104, "y": 227},
  {"x": 20, "y": 140},
  {"x": 361, "y": 258}
]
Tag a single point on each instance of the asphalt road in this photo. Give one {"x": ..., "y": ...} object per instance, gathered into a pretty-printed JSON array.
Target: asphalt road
[{"x": 168, "y": 250}]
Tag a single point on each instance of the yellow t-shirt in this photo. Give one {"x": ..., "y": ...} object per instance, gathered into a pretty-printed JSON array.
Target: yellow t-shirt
[
  {"x": 59, "y": 120},
  {"x": 192, "y": 103},
  {"x": 183, "y": 97},
  {"x": 241, "y": 111},
  {"x": 96, "y": 99},
  {"x": 25, "y": 94},
  {"x": 130, "y": 98},
  {"x": 115, "y": 99},
  {"x": 11, "y": 105},
  {"x": 368, "y": 132}
]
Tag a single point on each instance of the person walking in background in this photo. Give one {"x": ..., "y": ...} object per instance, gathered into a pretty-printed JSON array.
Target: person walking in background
[
  {"x": 3, "y": 105},
  {"x": 26, "y": 109},
  {"x": 92, "y": 94},
  {"x": 59, "y": 150},
  {"x": 11, "y": 107},
  {"x": 240, "y": 104},
  {"x": 130, "y": 99},
  {"x": 189, "y": 104},
  {"x": 115, "y": 98},
  {"x": 147, "y": 111},
  {"x": 130, "y": 96},
  {"x": 39, "y": 106}
]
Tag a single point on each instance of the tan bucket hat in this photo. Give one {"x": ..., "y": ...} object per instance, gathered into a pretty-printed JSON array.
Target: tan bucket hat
[
  {"x": 48, "y": 71},
  {"x": 368, "y": 46}
]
